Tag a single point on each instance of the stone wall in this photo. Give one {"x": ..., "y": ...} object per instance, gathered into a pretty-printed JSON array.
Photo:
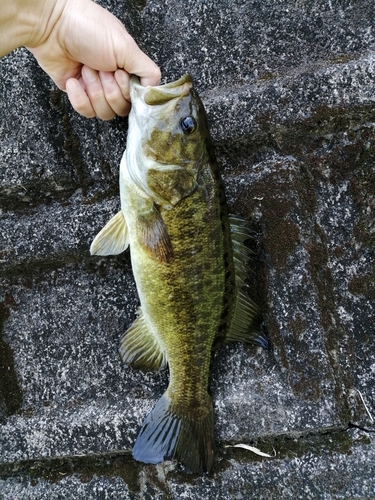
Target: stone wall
[{"x": 289, "y": 91}]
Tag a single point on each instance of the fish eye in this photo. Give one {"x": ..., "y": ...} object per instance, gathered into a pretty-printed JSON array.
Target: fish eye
[{"x": 188, "y": 125}]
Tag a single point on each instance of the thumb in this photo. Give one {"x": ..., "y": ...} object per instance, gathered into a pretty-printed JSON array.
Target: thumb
[
  {"x": 134, "y": 61},
  {"x": 96, "y": 38}
]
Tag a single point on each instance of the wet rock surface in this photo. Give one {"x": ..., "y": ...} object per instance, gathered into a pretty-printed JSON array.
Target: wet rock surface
[{"x": 289, "y": 92}]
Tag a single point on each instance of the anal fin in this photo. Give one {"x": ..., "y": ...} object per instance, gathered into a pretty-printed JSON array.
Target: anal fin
[{"x": 140, "y": 349}]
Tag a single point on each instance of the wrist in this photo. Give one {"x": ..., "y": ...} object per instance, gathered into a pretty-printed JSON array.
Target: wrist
[{"x": 26, "y": 22}]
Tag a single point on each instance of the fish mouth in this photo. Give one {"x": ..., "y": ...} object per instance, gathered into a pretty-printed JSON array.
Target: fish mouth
[{"x": 160, "y": 94}]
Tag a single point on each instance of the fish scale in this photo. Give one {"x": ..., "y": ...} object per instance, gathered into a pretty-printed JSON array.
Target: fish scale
[
  {"x": 190, "y": 266},
  {"x": 188, "y": 296}
]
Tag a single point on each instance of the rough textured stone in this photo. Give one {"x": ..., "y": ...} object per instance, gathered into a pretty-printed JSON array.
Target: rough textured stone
[
  {"x": 288, "y": 87},
  {"x": 335, "y": 467}
]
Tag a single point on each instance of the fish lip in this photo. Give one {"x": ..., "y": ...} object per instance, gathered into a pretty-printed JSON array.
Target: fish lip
[
  {"x": 135, "y": 80},
  {"x": 160, "y": 94}
]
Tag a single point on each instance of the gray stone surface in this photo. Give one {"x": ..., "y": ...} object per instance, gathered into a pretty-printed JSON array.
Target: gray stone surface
[
  {"x": 289, "y": 91},
  {"x": 329, "y": 468}
]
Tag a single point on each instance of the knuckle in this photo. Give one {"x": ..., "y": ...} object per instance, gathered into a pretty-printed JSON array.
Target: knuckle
[
  {"x": 95, "y": 93},
  {"x": 113, "y": 96},
  {"x": 83, "y": 107},
  {"x": 157, "y": 73},
  {"x": 86, "y": 111}
]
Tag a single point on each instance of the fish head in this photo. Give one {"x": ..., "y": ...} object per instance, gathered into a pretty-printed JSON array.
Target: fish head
[{"x": 167, "y": 139}]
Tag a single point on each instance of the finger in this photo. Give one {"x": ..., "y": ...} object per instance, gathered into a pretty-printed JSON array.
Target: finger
[
  {"x": 78, "y": 98},
  {"x": 95, "y": 92},
  {"x": 136, "y": 62},
  {"x": 123, "y": 81},
  {"x": 113, "y": 93}
]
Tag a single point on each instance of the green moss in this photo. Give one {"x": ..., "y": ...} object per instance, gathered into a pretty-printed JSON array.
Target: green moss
[
  {"x": 328, "y": 441},
  {"x": 336, "y": 137},
  {"x": 62, "y": 185},
  {"x": 107, "y": 194},
  {"x": 30, "y": 269},
  {"x": 122, "y": 465},
  {"x": 267, "y": 76},
  {"x": 110, "y": 464},
  {"x": 72, "y": 148},
  {"x": 333, "y": 146},
  {"x": 281, "y": 239},
  {"x": 334, "y": 332},
  {"x": 139, "y": 4},
  {"x": 281, "y": 234},
  {"x": 342, "y": 58},
  {"x": 323, "y": 280},
  {"x": 33, "y": 271},
  {"x": 363, "y": 285},
  {"x": 36, "y": 192},
  {"x": 10, "y": 391},
  {"x": 363, "y": 234}
]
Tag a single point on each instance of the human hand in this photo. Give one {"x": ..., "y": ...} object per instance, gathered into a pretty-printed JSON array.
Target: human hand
[{"x": 87, "y": 52}]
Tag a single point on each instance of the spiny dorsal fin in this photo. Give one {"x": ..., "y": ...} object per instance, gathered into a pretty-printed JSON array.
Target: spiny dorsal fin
[
  {"x": 153, "y": 235},
  {"x": 246, "y": 323},
  {"x": 167, "y": 434},
  {"x": 140, "y": 349},
  {"x": 113, "y": 238}
]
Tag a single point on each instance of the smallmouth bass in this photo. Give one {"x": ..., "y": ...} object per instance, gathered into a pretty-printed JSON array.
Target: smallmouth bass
[{"x": 189, "y": 262}]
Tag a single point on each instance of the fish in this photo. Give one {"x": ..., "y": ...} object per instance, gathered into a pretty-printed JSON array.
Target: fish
[{"x": 190, "y": 264}]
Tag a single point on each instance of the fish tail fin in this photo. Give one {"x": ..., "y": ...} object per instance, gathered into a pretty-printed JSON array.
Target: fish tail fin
[{"x": 168, "y": 434}]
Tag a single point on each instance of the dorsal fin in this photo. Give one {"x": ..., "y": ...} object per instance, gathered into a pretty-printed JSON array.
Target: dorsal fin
[{"x": 246, "y": 322}]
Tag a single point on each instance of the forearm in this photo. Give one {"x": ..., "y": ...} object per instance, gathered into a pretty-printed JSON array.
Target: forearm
[{"x": 26, "y": 22}]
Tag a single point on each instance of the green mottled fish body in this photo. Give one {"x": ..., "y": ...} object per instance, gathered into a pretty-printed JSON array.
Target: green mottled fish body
[
  {"x": 186, "y": 295},
  {"x": 189, "y": 263}
]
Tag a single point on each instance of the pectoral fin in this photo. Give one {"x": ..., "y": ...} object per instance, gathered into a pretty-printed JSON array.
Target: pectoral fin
[
  {"x": 140, "y": 349},
  {"x": 153, "y": 235},
  {"x": 113, "y": 238}
]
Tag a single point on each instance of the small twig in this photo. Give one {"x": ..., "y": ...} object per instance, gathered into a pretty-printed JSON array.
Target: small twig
[
  {"x": 364, "y": 404},
  {"x": 251, "y": 448}
]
